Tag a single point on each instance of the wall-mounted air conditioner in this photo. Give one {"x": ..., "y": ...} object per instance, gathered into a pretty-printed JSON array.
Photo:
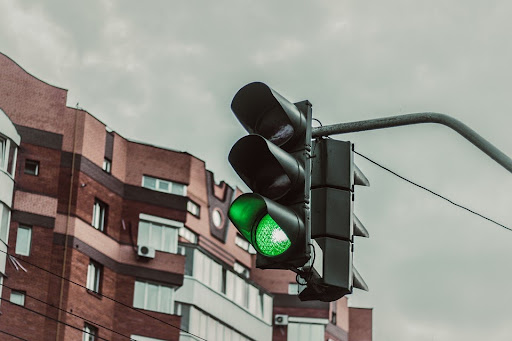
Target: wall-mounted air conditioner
[
  {"x": 280, "y": 320},
  {"x": 146, "y": 251}
]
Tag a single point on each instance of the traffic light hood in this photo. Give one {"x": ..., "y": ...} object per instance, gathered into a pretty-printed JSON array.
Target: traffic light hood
[
  {"x": 266, "y": 168},
  {"x": 264, "y": 111}
]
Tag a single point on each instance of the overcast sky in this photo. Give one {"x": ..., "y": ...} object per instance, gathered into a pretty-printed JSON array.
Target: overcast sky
[{"x": 165, "y": 72}]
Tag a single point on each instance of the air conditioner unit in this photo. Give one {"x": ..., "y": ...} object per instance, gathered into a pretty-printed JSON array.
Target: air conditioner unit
[
  {"x": 146, "y": 251},
  {"x": 280, "y": 320}
]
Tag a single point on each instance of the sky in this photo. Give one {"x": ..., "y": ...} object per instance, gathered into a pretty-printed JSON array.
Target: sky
[{"x": 165, "y": 72}]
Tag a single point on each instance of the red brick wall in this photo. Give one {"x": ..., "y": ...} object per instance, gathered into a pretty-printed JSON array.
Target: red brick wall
[{"x": 360, "y": 324}]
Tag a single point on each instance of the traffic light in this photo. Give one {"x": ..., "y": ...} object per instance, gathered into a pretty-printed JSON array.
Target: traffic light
[
  {"x": 274, "y": 162},
  {"x": 333, "y": 223}
]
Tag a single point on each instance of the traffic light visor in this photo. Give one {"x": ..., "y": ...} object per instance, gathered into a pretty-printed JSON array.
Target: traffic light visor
[
  {"x": 263, "y": 111},
  {"x": 266, "y": 168}
]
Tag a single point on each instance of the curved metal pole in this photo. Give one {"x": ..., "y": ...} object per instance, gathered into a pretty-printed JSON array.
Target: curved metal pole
[{"x": 426, "y": 117}]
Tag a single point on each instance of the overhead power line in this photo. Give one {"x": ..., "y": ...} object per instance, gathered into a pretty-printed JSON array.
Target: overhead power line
[
  {"x": 432, "y": 192},
  {"x": 107, "y": 297},
  {"x": 51, "y": 318},
  {"x": 70, "y": 313},
  {"x": 16, "y": 336}
]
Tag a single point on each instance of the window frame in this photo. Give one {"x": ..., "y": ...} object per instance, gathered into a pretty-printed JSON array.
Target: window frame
[
  {"x": 107, "y": 165},
  {"x": 3, "y": 152},
  {"x": 193, "y": 208},
  {"x": 5, "y": 222},
  {"x": 94, "y": 277},
  {"x": 99, "y": 215},
  {"x": 34, "y": 163},
  {"x": 20, "y": 294},
  {"x": 162, "y": 224},
  {"x": 169, "y": 183},
  {"x": 28, "y": 245},
  {"x": 146, "y": 300},
  {"x": 89, "y": 332}
]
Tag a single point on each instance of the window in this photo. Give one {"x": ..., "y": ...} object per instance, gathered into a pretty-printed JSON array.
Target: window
[
  {"x": 3, "y": 151},
  {"x": 242, "y": 270},
  {"x": 144, "y": 338},
  {"x": 295, "y": 288},
  {"x": 187, "y": 234},
  {"x": 159, "y": 233},
  {"x": 23, "y": 240},
  {"x": 94, "y": 271},
  {"x": 193, "y": 208},
  {"x": 242, "y": 242},
  {"x": 164, "y": 185},
  {"x": 107, "y": 165},
  {"x": 217, "y": 218},
  {"x": 90, "y": 333},
  {"x": 32, "y": 167},
  {"x": 11, "y": 160},
  {"x": 4, "y": 222},
  {"x": 154, "y": 297},
  {"x": 99, "y": 215},
  {"x": 17, "y": 297}
]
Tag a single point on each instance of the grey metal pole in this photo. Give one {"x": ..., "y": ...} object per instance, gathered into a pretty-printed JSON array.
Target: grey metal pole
[{"x": 426, "y": 117}]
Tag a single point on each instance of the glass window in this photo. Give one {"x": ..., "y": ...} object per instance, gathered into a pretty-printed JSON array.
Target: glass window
[
  {"x": 4, "y": 222},
  {"x": 242, "y": 270},
  {"x": 23, "y": 240},
  {"x": 164, "y": 185},
  {"x": 193, "y": 208},
  {"x": 187, "y": 234},
  {"x": 11, "y": 162},
  {"x": 154, "y": 297},
  {"x": 99, "y": 215},
  {"x": 217, "y": 218},
  {"x": 90, "y": 333},
  {"x": 17, "y": 297},
  {"x": 93, "y": 276},
  {"x": 295, "y": 288},
  {"x": 148, "y": 182},
  {"x": 144, "y": 338},
  {"x": 32, "y": 167},
  {"x": 3, "y": 151},
  {"x": 242, "y": 242},
  {"x": 179, "y": 189},
  {"x": 107, "y": 165},
  {"x": 158, "y": 236}
]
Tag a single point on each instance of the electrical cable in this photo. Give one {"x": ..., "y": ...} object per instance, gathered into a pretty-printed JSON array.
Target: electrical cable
[
  {"x": 70, "y": 313},
  {"x": 51, "y": 318},
  {"x": 16, "y": 336},
  {"x": 434, "y": 193},
  {"x": 107, "y": 297}
]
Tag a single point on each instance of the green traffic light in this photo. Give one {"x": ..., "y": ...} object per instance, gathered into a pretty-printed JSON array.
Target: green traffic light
[
  {"x": 270, "y": 238},
  {"x": 248, "y": 213}
]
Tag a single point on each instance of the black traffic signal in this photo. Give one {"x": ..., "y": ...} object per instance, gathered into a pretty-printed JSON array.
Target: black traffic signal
[
  {"x": 274, "y": 163},
  {"x": 333, "y": 223}
]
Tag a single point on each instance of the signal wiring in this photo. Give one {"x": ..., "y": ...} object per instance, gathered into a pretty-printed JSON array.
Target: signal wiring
[
  {"x": 432, "y": 192},
  {"x": 107, "y": 297},
  {"x": 51, "y": 318},
  {"x": 70, "y": 313}
]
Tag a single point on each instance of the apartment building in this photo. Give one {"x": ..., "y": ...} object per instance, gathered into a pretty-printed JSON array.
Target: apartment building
[{"x": 114, "y": 239}]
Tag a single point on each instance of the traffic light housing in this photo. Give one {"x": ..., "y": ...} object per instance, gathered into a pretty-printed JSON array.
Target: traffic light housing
[
  {"x": 334, "y": 224},
  {"x": 274, "y": 163}
]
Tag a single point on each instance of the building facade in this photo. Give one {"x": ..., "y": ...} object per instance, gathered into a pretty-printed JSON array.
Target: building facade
[
  {"x": 114, "y": 239},
  {"x": 9, "y": 143}
]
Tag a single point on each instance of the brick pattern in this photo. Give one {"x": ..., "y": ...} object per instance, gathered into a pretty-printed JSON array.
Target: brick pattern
[{"x": 47, "y": 195}]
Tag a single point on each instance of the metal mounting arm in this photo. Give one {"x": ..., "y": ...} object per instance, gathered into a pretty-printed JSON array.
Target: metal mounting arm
[{"x": 426, "y": 117}]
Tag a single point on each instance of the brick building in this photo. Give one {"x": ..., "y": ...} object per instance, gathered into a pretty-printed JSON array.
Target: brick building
[{"x": 101, "y": 225}]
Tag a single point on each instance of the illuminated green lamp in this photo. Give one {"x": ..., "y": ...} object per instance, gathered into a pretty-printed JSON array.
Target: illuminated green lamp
[{"x": 250, "y": 215}]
